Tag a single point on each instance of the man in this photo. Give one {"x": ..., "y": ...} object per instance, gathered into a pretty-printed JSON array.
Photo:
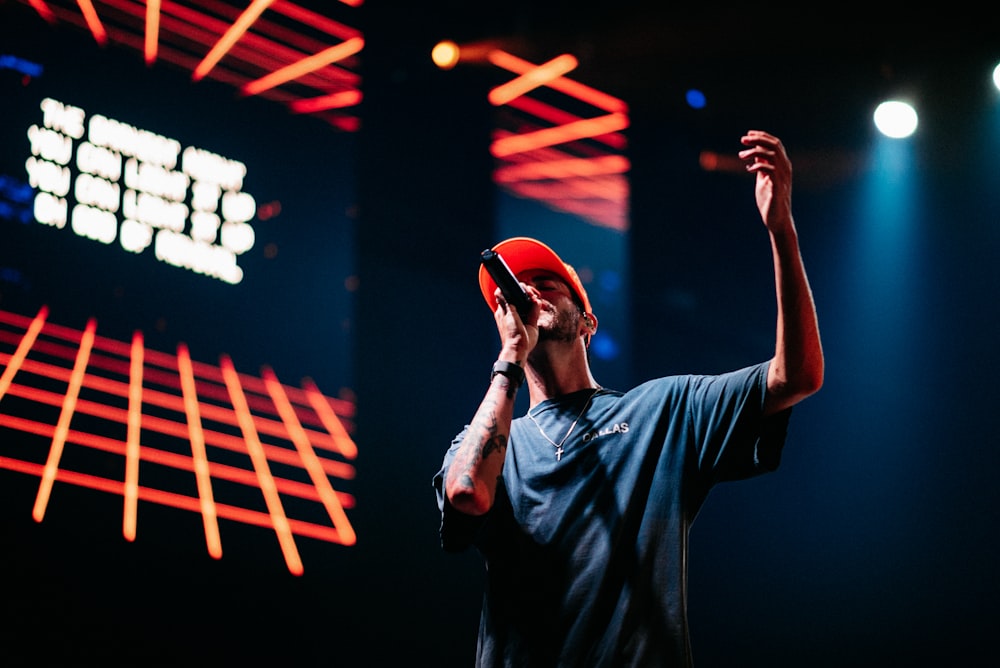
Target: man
[{"x": 582, "y": 507}]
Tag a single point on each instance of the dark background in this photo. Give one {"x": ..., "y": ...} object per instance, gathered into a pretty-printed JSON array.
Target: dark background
[{"x": 874, "y": 543}]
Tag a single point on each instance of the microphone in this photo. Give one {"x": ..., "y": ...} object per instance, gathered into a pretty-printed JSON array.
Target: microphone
[{"x": 506, "y": 281}]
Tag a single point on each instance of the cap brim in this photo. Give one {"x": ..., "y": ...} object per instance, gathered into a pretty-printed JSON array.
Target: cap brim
[{"x": 523, "y": 253}]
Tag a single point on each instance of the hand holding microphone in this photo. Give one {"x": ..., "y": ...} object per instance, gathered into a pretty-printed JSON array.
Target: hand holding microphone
[{"x": 511, "y": 288}]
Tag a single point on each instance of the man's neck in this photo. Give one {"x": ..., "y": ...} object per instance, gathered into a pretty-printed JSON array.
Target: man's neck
[{"x": 555, "y": 369}]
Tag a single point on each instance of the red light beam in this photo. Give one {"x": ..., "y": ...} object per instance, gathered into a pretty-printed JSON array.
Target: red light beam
[
  {"x": 93, "y": 21},
  {"x": 582, "y": 129},
  {"x": 259, "y": 459},
  {"x": 310, "y": 461},
  {"x": 305, "y": 66},
  {"x": 231, "y": 36},
  {"x": 130, "y": 492},
  {"x": 534, "y": 78},
  {"x": 62, "y": 426},
  {"x": 592, "y": 96},
  {"x": 17, "y": 359},
  {"x": 199, "y": 455},
  {"x": 151, "y": 44}
]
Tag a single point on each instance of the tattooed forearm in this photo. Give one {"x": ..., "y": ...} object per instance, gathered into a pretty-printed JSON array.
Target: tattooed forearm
[
  {"x": 482, "y": 439},
  {"x": 478, "y": 462}
]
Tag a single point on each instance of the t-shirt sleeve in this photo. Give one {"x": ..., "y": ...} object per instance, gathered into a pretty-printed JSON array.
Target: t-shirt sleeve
[
  {"x": 734, "y": 438},
  {"x": 458, "y": 529}
]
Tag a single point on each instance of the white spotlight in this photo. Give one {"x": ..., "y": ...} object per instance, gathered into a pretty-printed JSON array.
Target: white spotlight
[
  {"x": 896, "y": 119},
  {"x": 996, "y": 76}
]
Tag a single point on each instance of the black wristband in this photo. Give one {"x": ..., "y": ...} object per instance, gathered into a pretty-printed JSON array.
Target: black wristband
[{"x": 512, "y": 370}]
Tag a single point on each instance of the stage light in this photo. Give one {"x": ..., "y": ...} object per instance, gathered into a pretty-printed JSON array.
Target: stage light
[
  {"x": 996, "y": 76},
  {"x": 535, "y": 78},
  {"x": 445, "y": 54},
  {"x": 895, "y": 119},
  {"x": 695, "y": 99}
]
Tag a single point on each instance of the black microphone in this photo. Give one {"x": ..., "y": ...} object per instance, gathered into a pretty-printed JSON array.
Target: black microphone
[{"x": 507, "y": 282}]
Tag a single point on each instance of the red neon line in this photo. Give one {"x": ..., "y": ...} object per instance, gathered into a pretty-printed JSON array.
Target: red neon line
[
  {"x": 534, "y": 78},
  {"x": 561, "y": 169},
  {"x": 305, "y": 66},
  {"x": 612, "y": 215},
  {"x": 556, "y": 116},
  {"x": 171, "y": 428},
  {"x": 152, "y": 30},
  {"x": 263, "y": 470},
  {"x": 93, "y": 21},
  {"x": 22, "y": 349},
  {"x": 165, "y": 458},
  {"x": 318, "y": 21},
  {"x": 572, "y": 88},
  {"x": 43, "y": 10},
  {"x": 347, "y": 98},
  {"x": 341, "y": 439},
  {"x": 173, "y": 500},
  {"x": 608, "y": 188},
  {"x": 168, "y": 427},
  {"x": 153, "y": 358},
  {"x": 199, "y": 462},
  {"x": 62, "y": 426},
  {"x": 131, "y": 492},
  {"x": 310, "y": 461},
  {"x": 581, "y": 129},
  {"x": 231, "y": 36}
]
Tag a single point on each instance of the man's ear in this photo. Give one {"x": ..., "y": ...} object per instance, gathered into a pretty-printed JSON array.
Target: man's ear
[{"x": 590, "y": 322}]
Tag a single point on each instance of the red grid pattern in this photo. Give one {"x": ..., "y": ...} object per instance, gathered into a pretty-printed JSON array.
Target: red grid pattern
[
  {"x": 283, "y": 38},
  {"x": 74, "y": 405},
  {"x": 562, "y": 143}
]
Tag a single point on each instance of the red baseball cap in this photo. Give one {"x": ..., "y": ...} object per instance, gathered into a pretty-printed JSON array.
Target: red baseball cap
[{"x": 522, "y": 253}]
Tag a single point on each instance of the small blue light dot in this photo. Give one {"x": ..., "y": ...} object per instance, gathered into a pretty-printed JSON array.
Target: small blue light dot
[{"x": 695, "y": 98}]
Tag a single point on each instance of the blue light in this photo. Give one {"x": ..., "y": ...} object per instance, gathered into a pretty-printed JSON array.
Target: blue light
[
  {"x": 604, "y": 347},
  {"x": 8, "y": 62},
  {"x": 695, "y": 98}
]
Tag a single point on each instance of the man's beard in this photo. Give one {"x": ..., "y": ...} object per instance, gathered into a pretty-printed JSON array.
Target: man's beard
[{"x": 562, "y": 328}]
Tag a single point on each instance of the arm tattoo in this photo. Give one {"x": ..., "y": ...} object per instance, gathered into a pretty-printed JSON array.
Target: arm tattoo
[{"x": 493, "y": 442}]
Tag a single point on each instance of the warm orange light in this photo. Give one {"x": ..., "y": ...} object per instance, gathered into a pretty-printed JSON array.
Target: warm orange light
[
  {"x": 22, "y": 350},
  {"x": 532, "y": 79},
  {"x": 132, "y": 436},
  {"x": 606, "y": 212},
  {"x": 151, "y": 44},
  {"x": 305, "y": 66},
  {"x": 342, "y": 440},
  {"x": 93, "y": 21},
  {"x": 555, "y": 116},
  {"x": 562, "y": 169},
  {"x": 572, "y": 88},
  {"x": 445, "y": 54},
  {"x": 43, "y": 10},
  {"x": 260, "y": 464},
  {"x": 588, "y": 127},
  {"x": 199, "y": 454},
  {"x": 62, "y": 426},
  {"x": 310, "y": 461},
  {"x": 166, "y": 384},
  {"x": 231, "y": 36},
  {"x": 347, "y": 98},
  {"x": 711, "y": 161}
]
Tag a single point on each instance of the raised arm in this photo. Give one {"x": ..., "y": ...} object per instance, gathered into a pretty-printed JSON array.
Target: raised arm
[
  {"x": 471, "y": 480},
  {"x": 797, "y": 368}
]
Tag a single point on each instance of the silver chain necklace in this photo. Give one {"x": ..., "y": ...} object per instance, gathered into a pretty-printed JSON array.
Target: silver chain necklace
[{"x": 559, "y": 446}]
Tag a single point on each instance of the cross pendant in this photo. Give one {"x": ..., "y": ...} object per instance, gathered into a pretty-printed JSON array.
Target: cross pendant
[{"x": 559, "y": 452}]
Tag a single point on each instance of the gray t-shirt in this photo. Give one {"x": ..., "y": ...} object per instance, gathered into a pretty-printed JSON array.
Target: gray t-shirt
[{"x": 586, "y": 554}]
